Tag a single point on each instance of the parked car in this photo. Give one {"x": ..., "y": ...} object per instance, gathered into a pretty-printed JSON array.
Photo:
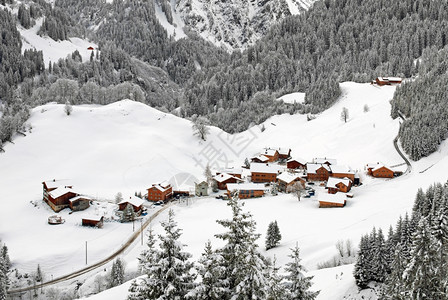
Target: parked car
[{"x": 160, "y": 202}]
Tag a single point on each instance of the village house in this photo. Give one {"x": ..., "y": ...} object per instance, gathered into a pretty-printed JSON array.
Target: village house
[
  {"x": 246, "y": 190},
  {"x": 340, "y": 171},
  {"x": 271, "y": 154},
  {"x": 201, "y": 188},
  {"x": 160, "y": 192},
  {"x": 284, "y": 153},
  {"x": 93, "y": 221},
  {"x": 387, "y": 80},
  {"x": 318, "y": 172},
  {"x": 287, "y": 179},
  {"x": 332, "y": 200},
  {"x": 296, "y": 163},
  {"x": 379, "y": 170},
  {"x": 260, "y": 159},
  {"x": 335, "y": 185},
  {"x": 327, "y": 161},
  {"x": 223, "y": 179},
  {"x": 263, "y": 172},
  {"x": 79, "y": 203},
  {"x": 58, "y": 199},
  {"x": 136, "y": 202}
]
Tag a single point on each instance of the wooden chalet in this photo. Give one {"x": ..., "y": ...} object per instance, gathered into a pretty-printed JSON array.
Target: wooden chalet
[
  {"x": 296, "y": 163},
  {"x": 380, "y": 171},
  {"x": 284, "y": 153},
  {"x": 79, "y": 203},
  {"x": 91, "y": 48},
  {"x": 160, "y": 191},
  {"x": 287, "y": 179},
  {"x": 263, "y": 172},
  {"x": 260, "y": 159},
  {"x": 387, "y": 80},
  {"x": 201, "y": 188},
  {"x": 236, "y": 172},
  {"x": 246, "y": 190},
  {"x": 326, "y": 161},
  {"x": 318, "y": 172},
  {"x": 93, "y": 221},
  {"x": 271, "y": 154},
  {"x": 59, "y": 198},
  {"x": 136, "y": 202},
  {"x": 335, "y": 185},
  {"x": 223, "y": 179},
  {"x": 340, "y": 171},
  {"x": 332, "y": 200}
]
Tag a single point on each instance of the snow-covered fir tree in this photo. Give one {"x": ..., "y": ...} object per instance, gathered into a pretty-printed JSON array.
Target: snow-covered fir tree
[
  {"x": 296, "y": 283},
  {"x": 363, "y": 266},
  {"x": 128, "y": 214},
  {"x": 273, "y": 236},
  {"x": 276, "y": 289},
  {"x": 167, "y": 269},
  {"x": 3, "y": 279},
  {"x": 68, "y": 108},
  {"x": 116, "y": 275}
]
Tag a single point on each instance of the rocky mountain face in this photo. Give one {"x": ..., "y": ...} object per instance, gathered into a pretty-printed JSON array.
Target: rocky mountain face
[{"x": 234, "y": 24}]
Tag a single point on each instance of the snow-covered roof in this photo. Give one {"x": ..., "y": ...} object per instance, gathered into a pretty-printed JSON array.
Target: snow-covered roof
[
  {"x": 288, "y": 177},
  {"x": 298, "y": 159},
  {"x": 92, "y": 218},
  {"x": 261, "y": 158},
  {"x": 284, "y": 151},
  {"x": 320, "y": 160},
  {"x": 332, "y": 181},
  {"x": 338, "y": 198},
  {"x": 341, "y": 169},
  {"x": 312, "y": 168},
  {"x": 223, "y": 177},
  {"x": 162, "y": 186},
  {"x": 269, "y": 151},
  {"x": 245, "y": 186},
  {"x": 165, "y": 184},
  {"x": 51, "y": 184},
  {"x": 263, "y": 168},
  {"x": 393, "y": 78},
  {"x": 135, "y": 201},
  {"x": 231, "y": 170},
  {"x": 80, "y": 197},
  {"x": 60, "y": 191},
  {"x": 379, "y": 167},
  {"x": 376, "y": 166}
]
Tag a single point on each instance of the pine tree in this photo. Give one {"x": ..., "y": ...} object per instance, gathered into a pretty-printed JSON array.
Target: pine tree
[
  {"x": 273, "y": 236},
  {"x": 116, "y": 276},
  {"x": 344, "y": 114},
  {"x": 243, "y": 265},
  {"x": 276, "y": 289},
  {"x": 380, "y": 266},
  {"x": 68, "y": 108},
  {"x": 212, "y": 285},
  {"x": 39, "y": 276},
  {"x": 3, "y": 279},
  {"x": 118, "y": 198},
  {"x": 362, "y": 271},
  {"x": 128, "y": 213},
  {"x": 297, "y": 285}
]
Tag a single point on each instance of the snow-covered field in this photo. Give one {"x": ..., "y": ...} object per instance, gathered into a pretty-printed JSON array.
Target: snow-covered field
[{"x": 127, "y": 146}]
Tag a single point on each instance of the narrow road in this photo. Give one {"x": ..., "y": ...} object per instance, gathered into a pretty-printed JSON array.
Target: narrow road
[
  {"x": 94, "y": 266},
  {"x": 406, "y": 160}
]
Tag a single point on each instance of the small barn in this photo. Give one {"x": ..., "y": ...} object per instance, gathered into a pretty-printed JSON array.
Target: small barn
[
  {"x": 201, "y": 188},
  {"x": 136, "y": 203},
  {"x": 93, "y": 221},
  {"x": 388, "y": 80},
  {"x": 335, "y": 185},
  {"x": 223, "y": 179},
  {"x": 318, "y": 172},
  {"x": 79, "y": 203},
  {"x": 379, "y": 170},
  {"x": 90, "y": 48},
  {"x": 287, "y": 179},
  {"x": 160, "y": 191},
  {"x": 296, "y": 163},
  {"x": 246, "y": 190},
  {"x": 263, "y": 172},
  {"x": 332, "y": 200}
]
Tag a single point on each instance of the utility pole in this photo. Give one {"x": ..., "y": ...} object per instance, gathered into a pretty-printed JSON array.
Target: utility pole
[
  {"x": 141, "y": 229},
  {"x": 86, "y": 253}
]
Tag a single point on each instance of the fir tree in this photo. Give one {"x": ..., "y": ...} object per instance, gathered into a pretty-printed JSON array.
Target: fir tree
[
  {"x": 128, "y": 213},
  {"x": 68, "y": 108},
  {"x": 362, "y": 271},
  {"x": 212, "y": 285},
  {"x": 116, "y": 276},
  {"x": 273, "y": 236},
  {"x": 276, "y": 289},
  {"x": 3, "y": 279},
  {"x": 38, "y": 276},
  {"x": 297, "y": 285}
]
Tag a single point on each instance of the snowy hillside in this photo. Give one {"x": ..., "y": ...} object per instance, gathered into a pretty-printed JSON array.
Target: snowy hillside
[
  {"x": 232, "y": 24},
  {"x": 127, "y": 146}
]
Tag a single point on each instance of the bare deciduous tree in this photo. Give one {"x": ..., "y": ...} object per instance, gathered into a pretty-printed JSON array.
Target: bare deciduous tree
[
  {"x": 296, "y": 189},
  {"x": 344, "y": 114}
]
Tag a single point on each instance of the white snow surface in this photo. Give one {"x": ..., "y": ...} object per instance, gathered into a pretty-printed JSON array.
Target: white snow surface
[
  {"x": 127, "y": 146},
  {"x": 293, "y": 98},
  {"x": 53, "y": 50}
]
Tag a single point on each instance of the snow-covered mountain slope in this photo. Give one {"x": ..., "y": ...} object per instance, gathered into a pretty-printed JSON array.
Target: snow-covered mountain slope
[
  {"x": 233, "y": 24},
  {"x": 127, "y": 146}
]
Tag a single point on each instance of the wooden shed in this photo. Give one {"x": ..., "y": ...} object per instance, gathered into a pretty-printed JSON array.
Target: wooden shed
[
  {"x": 335, "y": 185},
  {"x": 246, "y": 190},
  {"x": 379, "y": 170},
  {"x": 93, "y": 221},
  {"x": 332, "y": 200},
  {"x": 387, "y": 80},
  {"x": 79, "y": 203}
]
